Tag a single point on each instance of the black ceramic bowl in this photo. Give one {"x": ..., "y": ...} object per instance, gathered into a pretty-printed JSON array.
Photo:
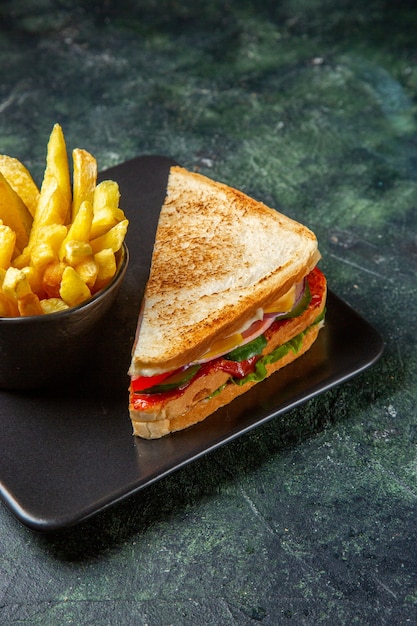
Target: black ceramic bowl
[{"x": 37, "y": 351}]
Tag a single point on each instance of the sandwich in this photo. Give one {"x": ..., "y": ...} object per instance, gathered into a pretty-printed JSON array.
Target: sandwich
[{"x": 233, "y": 295}]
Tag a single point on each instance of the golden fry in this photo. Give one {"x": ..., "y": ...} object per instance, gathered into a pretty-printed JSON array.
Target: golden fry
[
  {"x": 15, "y": 283},
  {"x": 34, "y": 278},
  {"x": 73, "y": 289},
  {"x": 55, "y": 196},
  {"x": 74, "y": 252},
  {"x": 104, "y": 220},
  {"x": 16, "y": 286},
  {"x": 8, "y": 306},
  {"x": 48, "y": 243},
  {"x": 112, "y": 239},
  {"x": 84, "y": 179},
  {"x": 106, "y": 194},
  {"x": 42, "y": 255},
  {"x": 20, "y": 181},
  {"x": 80, "y": 228},
  {"x": 29, "y": 305},
  {"x": 106, "y": 208},
  {"x": 106, "y": 264},
  {"x": 52, "y": 210},
  {"x": 22, "y": 260},
  {"x": 14, "y": 213},
  {"x": 52, "y": 276},
  {"x": 53, "y": 305},
  {"x": 53, "y": 235},
  {"x": 57, "y": 165},
  {"x": 7, "y": 245},
  {"x": 49, "y": 238},
  {"x": 88, "y": 270}
]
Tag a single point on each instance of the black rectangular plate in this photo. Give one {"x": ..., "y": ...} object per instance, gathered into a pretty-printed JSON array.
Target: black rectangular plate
[{"x": 69, "y": 452}]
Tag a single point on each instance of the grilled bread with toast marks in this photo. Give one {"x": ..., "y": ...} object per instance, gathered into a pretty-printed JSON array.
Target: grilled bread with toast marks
[{"x": 219, "y": 257}]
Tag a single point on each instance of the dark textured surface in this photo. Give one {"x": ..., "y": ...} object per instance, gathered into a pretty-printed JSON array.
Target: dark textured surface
[{"x": 310, "y": 107}]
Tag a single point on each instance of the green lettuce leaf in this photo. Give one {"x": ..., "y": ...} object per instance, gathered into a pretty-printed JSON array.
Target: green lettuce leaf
[
  {"x": 242, "y": 353},
  {"x": 260, "y": 372}
]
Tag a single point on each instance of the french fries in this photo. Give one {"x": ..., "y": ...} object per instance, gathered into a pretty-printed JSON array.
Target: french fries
[
  {"x": 7, "y": 245},
  {"x": 20, "y": 181},
  {"x": 73, "y": 289},
  {"x": 14, "y": 213},
  {"x": 84, "y": 178},
  {"x": 59, "y": 242}
]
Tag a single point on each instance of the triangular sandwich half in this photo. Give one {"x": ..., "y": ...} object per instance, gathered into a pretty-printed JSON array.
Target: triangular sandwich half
[{"x": 233, "y": 295}]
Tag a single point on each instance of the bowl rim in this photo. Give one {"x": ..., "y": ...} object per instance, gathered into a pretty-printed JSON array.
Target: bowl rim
[{"x": 42, "y": 319}]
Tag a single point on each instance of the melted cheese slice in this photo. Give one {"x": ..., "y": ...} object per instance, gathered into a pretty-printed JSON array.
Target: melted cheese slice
[
  {"x": 284, "y": 304},
  {"x": 221, "y": 346}
]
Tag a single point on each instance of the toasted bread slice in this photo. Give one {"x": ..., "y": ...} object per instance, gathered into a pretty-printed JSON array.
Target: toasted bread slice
[{"x": 219, "y": 256}]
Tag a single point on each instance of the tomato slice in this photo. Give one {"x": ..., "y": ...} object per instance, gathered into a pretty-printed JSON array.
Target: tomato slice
[{"x": 139, "y": 383}]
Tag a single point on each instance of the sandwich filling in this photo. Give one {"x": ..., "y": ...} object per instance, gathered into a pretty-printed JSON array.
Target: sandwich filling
[{"x": 243, "y": 356}]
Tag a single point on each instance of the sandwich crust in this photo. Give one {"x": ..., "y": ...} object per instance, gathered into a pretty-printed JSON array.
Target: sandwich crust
[{"x": 219, "y": 256}]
